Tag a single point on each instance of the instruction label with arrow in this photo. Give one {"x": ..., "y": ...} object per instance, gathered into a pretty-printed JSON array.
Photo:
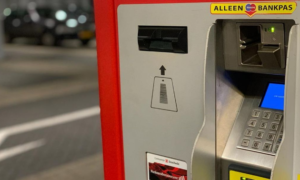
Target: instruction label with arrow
[
  {"x": 162, "y": 70},
  {"x": 163, "y": 94}
]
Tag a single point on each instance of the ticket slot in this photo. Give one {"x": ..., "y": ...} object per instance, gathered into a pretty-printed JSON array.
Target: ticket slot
[{"x": 163, "y": 39}]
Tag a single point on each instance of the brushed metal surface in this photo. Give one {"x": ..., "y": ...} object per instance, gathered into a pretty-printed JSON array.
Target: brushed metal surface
[
  {"x": 228, "y": 105},
  {"x": 203, "y": 160},
  {"x": 233, "y": 154},
  {"x": 287, "y": 164},
  {"x": 237, "y": 94}
]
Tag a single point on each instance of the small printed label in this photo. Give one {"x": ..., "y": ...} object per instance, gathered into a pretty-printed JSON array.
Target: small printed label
[
  {"x": 235, "y": 175},
  {"x": 163, "y": 168},
  {"x": 251, "y": 9}
]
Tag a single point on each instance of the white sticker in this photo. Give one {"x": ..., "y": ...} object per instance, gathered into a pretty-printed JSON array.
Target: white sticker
[
  {"x": 163, "y": 94},
  {"x": 161, "y": 168}
]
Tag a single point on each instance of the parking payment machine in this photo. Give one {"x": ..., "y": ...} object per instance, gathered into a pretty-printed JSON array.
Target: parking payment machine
[{"x": 199, "y": 90}]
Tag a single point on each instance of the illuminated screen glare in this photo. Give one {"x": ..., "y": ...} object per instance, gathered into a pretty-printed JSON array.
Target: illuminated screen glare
[{"x": 274, "y": 97}]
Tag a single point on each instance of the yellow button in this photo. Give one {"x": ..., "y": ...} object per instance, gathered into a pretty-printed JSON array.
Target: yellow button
[{"x": 299, "y": 177}]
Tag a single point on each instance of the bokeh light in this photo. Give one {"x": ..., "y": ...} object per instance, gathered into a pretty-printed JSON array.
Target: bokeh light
[
  {"x": 61, "y": 15},
  {"x": 72, "y": 23}
]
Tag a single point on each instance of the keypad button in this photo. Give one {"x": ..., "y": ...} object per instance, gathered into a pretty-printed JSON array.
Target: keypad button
[
  {"x": 266, "y": 115},
  {"x": 252, "y": 122},
  {"x": 256, "y": 144},
  {"x": 263, "y": 125},
  {"x": 245, "y": 142},
  {"x": 267, "y": 147},
  {"x": 276, "y": 148},
  {"x": 255, "y": 113},
  {"x": 260, "y": 135},
  {"x": 271, "y": 137},
  {"x": 274, "y": 127},
  {"x": 279, "y": 139},
  {"x": 248, "y": 132},
  {"x": 278, "y": 117}
]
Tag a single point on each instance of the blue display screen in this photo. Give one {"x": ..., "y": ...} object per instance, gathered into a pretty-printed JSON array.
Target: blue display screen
[{"x": 274, "y": 97}]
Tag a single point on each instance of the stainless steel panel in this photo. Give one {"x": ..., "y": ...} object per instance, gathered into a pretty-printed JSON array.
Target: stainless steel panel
[
  {"x": 234, "y": 153},
  {"x": 287, "y": 164},
  {"x": 203, "y": 163}
]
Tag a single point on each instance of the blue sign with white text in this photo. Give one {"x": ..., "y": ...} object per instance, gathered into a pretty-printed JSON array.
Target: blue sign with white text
[{"x": 274, "y": 97}]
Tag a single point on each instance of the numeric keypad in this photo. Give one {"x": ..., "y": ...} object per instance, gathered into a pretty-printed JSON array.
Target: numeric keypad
[{"x": 263, "y": 131}]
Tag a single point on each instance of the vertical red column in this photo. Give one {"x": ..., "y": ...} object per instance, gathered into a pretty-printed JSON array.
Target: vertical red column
[{"x": 109, "y": 89}]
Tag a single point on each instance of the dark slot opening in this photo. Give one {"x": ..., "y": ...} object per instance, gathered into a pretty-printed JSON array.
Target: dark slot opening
[
  {"x": 250, "y": 40},
  {"x": 250, "y": 34},
  {"x": 163, "y": 39}
]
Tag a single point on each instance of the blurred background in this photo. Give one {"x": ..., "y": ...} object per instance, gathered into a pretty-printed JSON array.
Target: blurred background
[{"x": 49, "y": 104}]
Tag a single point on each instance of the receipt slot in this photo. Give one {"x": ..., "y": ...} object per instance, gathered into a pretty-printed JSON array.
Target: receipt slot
[{"x": 193, "y": 90}]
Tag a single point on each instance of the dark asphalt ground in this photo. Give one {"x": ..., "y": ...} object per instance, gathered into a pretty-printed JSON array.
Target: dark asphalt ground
[{"x": 64, "y": 143}]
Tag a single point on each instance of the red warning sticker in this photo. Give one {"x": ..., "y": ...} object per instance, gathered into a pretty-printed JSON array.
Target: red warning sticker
[{"x": 164, "y": 168}]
